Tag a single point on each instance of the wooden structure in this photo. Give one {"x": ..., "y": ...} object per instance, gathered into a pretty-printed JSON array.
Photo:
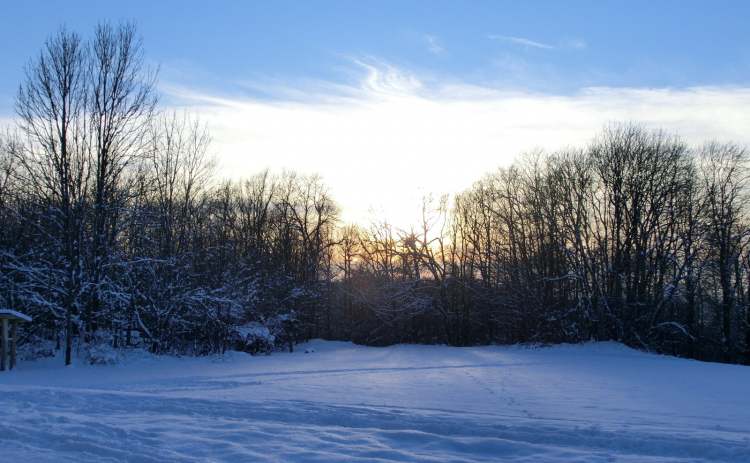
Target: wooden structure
[{"x": 9, "y": 320}]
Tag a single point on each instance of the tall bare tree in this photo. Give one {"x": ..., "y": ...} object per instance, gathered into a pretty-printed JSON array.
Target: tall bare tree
[{"x": 51, "y": 106}]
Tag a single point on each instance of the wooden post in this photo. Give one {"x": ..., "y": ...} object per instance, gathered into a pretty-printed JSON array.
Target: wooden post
[
  {"x": 3, "y": 343},
  {"x": 13, "y": 334}
]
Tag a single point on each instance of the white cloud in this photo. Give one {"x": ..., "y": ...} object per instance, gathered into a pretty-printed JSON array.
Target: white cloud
[
  {"x": 522, "y": 41},
  {"x": 384, "y": 143},
  {"x": 433, "y": 45},
  {"x": 6, "y": 123},
  {"x": 574, "y": 44}
]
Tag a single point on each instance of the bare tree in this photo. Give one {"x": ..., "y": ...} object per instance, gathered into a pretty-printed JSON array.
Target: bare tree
[
  {"x": 120, "y": 107},
  {"x": 51, "y": 106},
  {"x": 723, "y": 170},
  {"x": 181, "y": 168}
]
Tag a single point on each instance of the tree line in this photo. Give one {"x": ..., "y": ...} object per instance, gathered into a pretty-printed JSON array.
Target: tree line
[
  {"x": 636, "y": 237},
  {"x": 116, "y": 232}
]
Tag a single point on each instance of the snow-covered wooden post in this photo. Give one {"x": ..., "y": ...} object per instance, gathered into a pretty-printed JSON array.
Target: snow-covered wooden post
[{"x": 9, "y": 320}]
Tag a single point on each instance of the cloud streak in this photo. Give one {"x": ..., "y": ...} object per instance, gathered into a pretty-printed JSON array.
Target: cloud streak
[
  {"x": 575, "y": 44},
  {"x": 522, "y": 41}
]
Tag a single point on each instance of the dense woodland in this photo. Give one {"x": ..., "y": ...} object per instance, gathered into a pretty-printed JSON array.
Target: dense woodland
[{"x": 117, "y": 232}]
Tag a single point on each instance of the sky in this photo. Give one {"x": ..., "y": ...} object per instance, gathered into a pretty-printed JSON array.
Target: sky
[{"x": 390, "y": 101}]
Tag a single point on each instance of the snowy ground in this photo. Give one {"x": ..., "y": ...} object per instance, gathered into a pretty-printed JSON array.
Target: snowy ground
[{"x": 597, "y": 402}]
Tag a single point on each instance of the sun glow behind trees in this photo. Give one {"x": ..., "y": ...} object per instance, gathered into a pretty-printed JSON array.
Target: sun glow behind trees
[{"x": 392, "y": 136}]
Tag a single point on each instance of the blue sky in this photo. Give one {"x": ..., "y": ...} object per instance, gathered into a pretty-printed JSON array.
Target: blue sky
[
  {"x": 562, "y": 45},
  {"x": 403, "y": 87}
]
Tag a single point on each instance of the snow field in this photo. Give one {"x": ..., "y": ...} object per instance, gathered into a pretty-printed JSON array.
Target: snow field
[{"x": 589, "y": 403}]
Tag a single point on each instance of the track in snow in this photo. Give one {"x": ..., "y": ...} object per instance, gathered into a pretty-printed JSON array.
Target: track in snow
[{"x": 592, "y": 403}]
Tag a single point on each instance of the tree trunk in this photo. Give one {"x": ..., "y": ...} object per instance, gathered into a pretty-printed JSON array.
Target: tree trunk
[{"x": 68, "y": 339}]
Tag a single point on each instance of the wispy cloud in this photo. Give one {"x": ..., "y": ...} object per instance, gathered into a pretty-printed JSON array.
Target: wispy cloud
[
  {"x": 522, "y": 41},
  {"x": 433, "y": 45},
  {"x": 385, "y": 141},
  {"x": 576, "y": 44}
]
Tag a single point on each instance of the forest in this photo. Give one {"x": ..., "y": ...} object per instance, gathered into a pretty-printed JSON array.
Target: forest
[{"x": 117, "y": 232}]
